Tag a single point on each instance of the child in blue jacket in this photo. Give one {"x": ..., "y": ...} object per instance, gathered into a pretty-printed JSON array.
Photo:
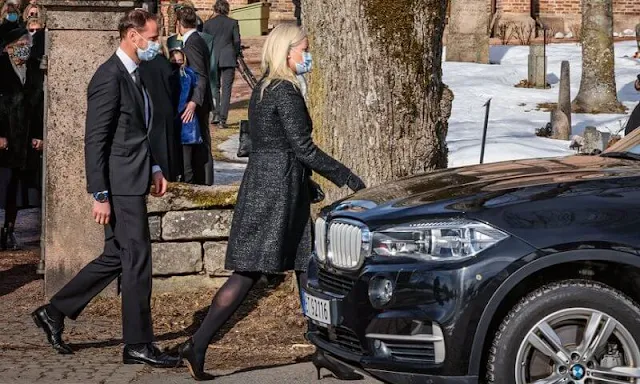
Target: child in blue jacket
[{"x": 190, "y": 134}]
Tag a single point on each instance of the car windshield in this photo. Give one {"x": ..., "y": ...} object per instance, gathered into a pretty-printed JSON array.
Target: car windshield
[{"x": 630, "y": 144}]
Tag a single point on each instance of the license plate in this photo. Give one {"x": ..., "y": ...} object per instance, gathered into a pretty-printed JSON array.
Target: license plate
[{"x": 317, "y": 309}]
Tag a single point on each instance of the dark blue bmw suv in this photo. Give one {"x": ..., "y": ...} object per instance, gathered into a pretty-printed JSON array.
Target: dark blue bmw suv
[{"x": 520, "y": 272}]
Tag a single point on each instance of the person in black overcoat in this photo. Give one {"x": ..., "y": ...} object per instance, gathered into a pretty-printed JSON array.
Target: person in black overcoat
[
  {"x": 21, "y": 124},
  {"x": 227, "y": 48},
  {"x": 164, "y": 138},
  {"x": 198, "y": 57},
  {"x": 271, "y": 230}
]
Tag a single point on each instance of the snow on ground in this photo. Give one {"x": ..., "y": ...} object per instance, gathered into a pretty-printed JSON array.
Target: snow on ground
[{"x": 514, "y": 118}]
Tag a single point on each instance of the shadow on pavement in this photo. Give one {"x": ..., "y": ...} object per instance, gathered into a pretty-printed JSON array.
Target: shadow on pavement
[
  {"x": 16, "y": 277},
  {"x": 261, "y": 290}
]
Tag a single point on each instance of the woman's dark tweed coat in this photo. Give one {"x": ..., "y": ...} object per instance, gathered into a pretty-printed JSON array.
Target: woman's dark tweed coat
[{"x": 271, "y": 230}]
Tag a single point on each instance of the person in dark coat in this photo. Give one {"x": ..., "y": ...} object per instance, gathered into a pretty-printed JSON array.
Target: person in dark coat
[
  {"x": 21, "y": 125},
  {"x": 198, "y": 56},
  {"x": 226, "y": 45},
  {"x": 634, "y": 119},
  {"x": 164, "y": 138},
  {"x": 271, "y": 230}
]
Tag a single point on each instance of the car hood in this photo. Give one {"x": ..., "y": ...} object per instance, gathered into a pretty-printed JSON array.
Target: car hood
[{"x": 460, "y": 188}]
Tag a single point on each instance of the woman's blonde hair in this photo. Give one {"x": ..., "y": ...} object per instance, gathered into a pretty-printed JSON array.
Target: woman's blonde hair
[{"x": 276, "y": 52}]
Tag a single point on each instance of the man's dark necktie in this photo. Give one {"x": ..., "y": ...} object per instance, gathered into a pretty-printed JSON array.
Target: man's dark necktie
[{"x": 138, "y": 81}]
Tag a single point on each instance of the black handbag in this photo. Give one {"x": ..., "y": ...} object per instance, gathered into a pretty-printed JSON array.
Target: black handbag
[
  {"x": 315, "y": 192},
  {"x": 244, "y": 148}
]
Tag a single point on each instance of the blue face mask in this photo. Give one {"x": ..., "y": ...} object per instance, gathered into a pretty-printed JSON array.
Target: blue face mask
[
  {"x": 306, "y": 65},
  {"x": 150, "y": 53},
  {"x": 12, "y": 17}
]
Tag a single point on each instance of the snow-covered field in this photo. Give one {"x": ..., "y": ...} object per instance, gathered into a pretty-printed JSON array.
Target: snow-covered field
[{"x": 514, "y": 118}]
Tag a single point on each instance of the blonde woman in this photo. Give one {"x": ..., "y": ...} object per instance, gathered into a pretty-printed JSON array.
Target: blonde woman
[
  {"x": 33, "y": 11},
  {"x": 271, "y": 230}
]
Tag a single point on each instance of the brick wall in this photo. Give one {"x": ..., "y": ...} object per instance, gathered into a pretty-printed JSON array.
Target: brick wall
[
  {"x": 514, "y": 6},
  {"x": 564, "y": 7}
]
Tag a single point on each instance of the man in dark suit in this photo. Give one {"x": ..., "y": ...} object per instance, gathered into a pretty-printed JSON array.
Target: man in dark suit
[
  {"x": 120, "y": 169},
  {"x": 226, "y": 45},
  {"x": 197, "y": 53}
]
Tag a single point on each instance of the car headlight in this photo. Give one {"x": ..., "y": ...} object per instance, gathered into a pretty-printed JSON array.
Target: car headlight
[
  {"x": 453, "y": 239},
  {"x": 320, "y": 239}
]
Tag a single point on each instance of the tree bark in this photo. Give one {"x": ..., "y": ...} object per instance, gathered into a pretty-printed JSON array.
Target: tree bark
[
  {"x": 376, "y": 94},
  {"x": 598, "y": 93}
]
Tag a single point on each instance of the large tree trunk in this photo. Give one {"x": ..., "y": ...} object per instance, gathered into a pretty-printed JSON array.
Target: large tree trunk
[
  {"x": 598, "y": 92},
  {"x": 376, "y": 94}
]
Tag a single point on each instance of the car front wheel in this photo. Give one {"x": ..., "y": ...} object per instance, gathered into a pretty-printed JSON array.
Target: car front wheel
[{"x": 569, "y": 332}]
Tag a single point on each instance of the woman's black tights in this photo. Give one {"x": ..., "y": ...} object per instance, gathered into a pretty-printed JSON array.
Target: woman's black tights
[{"x": 225, "y": 302}]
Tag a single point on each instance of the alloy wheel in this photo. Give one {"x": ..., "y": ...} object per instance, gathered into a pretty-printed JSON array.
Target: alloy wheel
[{"x": 578, "y": 346}]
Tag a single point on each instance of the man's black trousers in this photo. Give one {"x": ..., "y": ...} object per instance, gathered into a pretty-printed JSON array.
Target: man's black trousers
[{"x": 127, "y": 251}]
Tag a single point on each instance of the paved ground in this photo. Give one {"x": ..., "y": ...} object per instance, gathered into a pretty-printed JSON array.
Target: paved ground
[{"x": 26, "y": 357}]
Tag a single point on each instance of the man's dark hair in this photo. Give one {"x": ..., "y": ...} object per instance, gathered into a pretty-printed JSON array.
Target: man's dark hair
[
  {"x": 187, "y": 16},
  {"x": 222, "y": 7},
  {"x": 135, "y": 19}
]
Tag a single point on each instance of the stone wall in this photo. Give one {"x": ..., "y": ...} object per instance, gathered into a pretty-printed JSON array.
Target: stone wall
[{"x": 189, "y": 230}]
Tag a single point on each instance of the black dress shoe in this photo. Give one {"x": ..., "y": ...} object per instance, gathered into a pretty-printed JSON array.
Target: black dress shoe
[
  {"x": 148, "y": 354},
  {"x": 195, "y": 362},
  {"x": 53, "y": 328}
]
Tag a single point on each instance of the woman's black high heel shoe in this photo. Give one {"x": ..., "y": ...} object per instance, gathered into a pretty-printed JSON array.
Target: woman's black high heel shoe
[
  {"x": 195, "y": 363},
  {"x": 341, "y": 372}
]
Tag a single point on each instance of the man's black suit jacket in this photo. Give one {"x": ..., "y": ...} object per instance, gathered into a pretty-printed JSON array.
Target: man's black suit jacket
[
  {"x": 226, "y": 40},
  {"x": 198, "y": 58},
  {"x": 163, "y": 86},
  {"x": 117, "y": 152}
]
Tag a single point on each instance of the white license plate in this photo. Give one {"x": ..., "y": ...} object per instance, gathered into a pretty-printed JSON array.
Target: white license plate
[{"x": 317, "y": 309}]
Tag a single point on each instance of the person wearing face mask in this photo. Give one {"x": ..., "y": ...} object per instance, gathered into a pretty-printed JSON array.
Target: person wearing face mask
[
  {"x": 20, "y": 127},
  {"x": 10, "y": 12},
  {"x": 200, "y": 103},
  {"x": 190, "y": 135},
  {"x": 120, "y": 168},
  {"x": 271, "y": 229},
  {"x": 35, "y": 26}
]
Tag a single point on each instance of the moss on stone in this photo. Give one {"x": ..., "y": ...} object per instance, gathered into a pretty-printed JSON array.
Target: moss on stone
[
  {"x": 204, "y": 197},
  {"x": 392, "y": 24}
]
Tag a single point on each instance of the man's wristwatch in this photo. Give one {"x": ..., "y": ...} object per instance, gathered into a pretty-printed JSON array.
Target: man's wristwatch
[{"x": 101, "y": 197}]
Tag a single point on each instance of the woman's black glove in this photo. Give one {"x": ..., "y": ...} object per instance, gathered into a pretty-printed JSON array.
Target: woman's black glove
[{"x": 355, "y": 183}]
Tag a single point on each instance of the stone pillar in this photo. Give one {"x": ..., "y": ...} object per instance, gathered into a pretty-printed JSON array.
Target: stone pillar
[
  {"x": 468, "y": 39},
  {"x": 82, "y": 34},
  {"x": 537, "y": 66},
  {"x": 564, "y": 97}
]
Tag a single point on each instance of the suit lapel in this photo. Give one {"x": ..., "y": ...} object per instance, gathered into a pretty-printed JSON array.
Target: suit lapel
[{"x": 132, "y": 87}]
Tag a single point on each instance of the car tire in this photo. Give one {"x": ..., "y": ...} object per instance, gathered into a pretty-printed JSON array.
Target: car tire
[{"x": 546, "y": 301}]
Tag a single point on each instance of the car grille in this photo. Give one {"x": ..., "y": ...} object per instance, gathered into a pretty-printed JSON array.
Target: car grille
[
  {"x": 343, "y": 338},
  {"x": 345, "y": 245},
  {"x": 412, "y": 352},
  {"x": 335, "y": 283}
]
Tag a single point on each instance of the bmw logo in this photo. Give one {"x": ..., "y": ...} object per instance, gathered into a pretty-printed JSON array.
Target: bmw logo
[{"x": 577, "y": 372}]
